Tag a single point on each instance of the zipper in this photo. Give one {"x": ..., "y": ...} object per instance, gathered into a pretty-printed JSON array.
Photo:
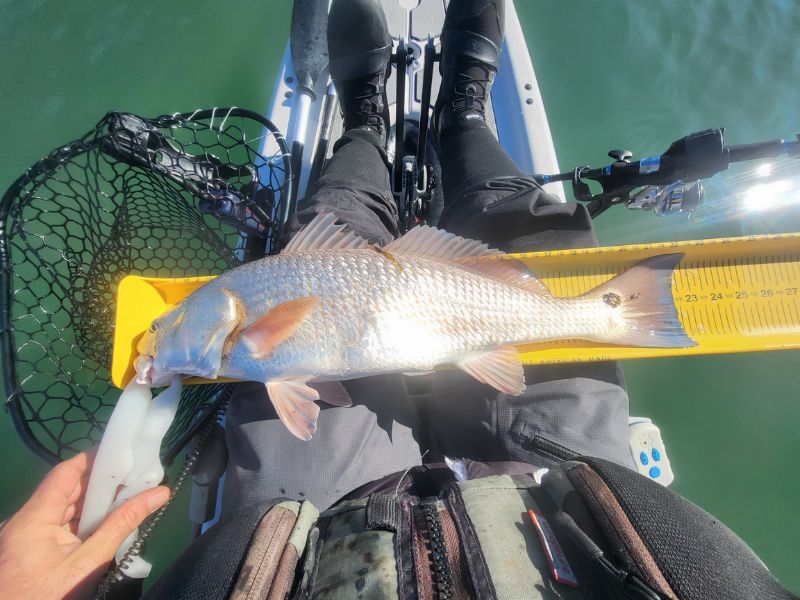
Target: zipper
[
  {"x": 440, "y": 565},
  {"x": 552, "y": 448},
  {"x": 531, "y": 440},
  {"x": 441, "y": 570}
]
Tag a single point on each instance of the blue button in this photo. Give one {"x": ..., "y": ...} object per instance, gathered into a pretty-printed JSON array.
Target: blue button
[
  {"x": 643, "y": 458},
  {"x": 654, "y": 472},
  {"x": 656, "y": 454}
]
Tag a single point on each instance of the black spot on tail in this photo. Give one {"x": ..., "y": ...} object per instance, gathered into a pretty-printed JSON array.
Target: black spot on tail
[{"x": 612, "y": 299}]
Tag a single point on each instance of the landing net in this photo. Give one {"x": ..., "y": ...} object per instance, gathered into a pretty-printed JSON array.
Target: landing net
[{"x": 174, "y": 196}]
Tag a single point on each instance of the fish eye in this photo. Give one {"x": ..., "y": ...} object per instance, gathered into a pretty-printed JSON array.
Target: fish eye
[{"x": 153, "y": 327}]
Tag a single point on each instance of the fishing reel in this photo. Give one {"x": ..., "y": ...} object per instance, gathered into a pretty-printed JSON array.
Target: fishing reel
[{"x": 678, "y": 197}]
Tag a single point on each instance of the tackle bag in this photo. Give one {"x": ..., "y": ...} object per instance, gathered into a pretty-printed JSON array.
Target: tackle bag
[{"x": 585, "y": 529}]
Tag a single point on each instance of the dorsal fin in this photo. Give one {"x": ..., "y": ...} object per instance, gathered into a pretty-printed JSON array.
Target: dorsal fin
[
  {"x": 430, "y": 242},
  {"x": 508, "y": 270},
  {"x": 322, "y": 233}
]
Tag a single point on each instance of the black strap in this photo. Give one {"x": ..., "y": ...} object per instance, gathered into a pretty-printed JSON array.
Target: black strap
[
  {"x": 473, "y": 45},
  {"x": 383, "y": 512}
]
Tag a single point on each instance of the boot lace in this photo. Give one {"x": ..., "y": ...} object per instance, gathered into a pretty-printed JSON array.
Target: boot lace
[
  {"x": 368, "y": 106},
  {"x": 470, "y": 92}
]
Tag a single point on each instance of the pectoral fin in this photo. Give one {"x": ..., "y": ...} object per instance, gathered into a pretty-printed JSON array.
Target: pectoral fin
[
  {"x": 333, "y": 393},
  {"x": 500, "y": 368},
  {"x": 275, "y": 327},
  {"x": 294, "y": 402}
]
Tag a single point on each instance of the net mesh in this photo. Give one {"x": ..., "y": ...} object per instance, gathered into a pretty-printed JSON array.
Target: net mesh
[{"x": 174, "y": 196}]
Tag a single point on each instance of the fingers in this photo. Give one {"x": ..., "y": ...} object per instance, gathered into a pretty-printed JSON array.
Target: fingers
[
  {"x": 62, "y": 486},
  {"x": 69, "y": 514},
  {"x": 102, "y": 544}
]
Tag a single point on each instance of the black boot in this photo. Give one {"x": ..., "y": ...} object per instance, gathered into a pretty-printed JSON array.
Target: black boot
[
  {"x": 360, "y": 49},
  {"x": 472, "y": 42}
]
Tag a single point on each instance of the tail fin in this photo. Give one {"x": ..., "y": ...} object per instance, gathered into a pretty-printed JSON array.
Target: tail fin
[{"x": 643, "y": 297}]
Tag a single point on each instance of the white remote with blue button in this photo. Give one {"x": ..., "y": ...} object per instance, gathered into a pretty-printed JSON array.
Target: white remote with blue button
[{"x": 648, "y": 452}]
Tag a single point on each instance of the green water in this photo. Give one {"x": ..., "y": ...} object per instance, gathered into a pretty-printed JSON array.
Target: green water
[{"x": 632, "y": 75}]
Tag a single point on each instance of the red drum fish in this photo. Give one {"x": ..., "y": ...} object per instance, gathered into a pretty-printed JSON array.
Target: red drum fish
[{"x": 332, "y": 307}]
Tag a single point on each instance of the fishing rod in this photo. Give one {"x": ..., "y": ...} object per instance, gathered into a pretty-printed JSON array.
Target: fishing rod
[{"x": 668, "y": 183}]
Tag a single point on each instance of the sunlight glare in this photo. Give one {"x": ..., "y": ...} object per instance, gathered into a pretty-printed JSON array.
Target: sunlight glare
[
  {"x": 765, "y": 196},
  {"x": 764, "y": 170}
]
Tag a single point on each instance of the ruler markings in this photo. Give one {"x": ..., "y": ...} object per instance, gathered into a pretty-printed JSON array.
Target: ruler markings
[
  {"x": 707, "y": 323},
  {"x": 746, "y": 272},
  {"x": 763, "y": 314},
  {"x": 725, "y": 273},
  {"x": 766, "y": 308},
  {"x": 759, "y": 272},
  {"x": 751, "y": 278},
  {"x": 785, "y": 322},
  {"x": 785, "y": 274},
  {"x": 733, "y": 274},
  {"x": 793, "y": 311},
  {"x": 732, "y": 320},
  {"x": 743, "y": 317},
  {"x": 773, "y": 277},
  {"x": 711, "y": 316},
  {"x": 718, "y": 320},
  {"x": 714, "y": 274},
  {"x": 680, "y": 274},
  {"x": 690, "y": 275},
  {"x": 775, "y": 315},
  {"x": 699, "y": 327},
  {"x": 748, "y": 319}
]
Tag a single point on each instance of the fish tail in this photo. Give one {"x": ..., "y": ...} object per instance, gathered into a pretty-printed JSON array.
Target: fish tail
[{"x": 646, "y": 314}]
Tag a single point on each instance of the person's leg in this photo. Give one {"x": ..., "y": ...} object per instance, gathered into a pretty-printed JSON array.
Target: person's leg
[
  {"x": 472, "y": 156},
  {"x": 354, "y": 185},
  {"x": 374, "y": 437},
  {"x": 582, "y": 409}
]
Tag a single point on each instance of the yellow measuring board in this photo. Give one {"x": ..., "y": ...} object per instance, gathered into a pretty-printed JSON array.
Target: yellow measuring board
[{"x": 733, "y": 295}]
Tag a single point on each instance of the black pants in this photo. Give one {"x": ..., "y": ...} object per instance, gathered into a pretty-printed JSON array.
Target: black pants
[{"x": 583, "y": 408}]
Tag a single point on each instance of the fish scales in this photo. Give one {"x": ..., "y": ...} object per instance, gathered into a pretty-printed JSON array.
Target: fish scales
[{"x": 379, "y": 313}]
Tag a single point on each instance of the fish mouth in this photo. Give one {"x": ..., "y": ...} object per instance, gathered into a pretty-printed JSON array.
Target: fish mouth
[{"x": 144, "y": 370}]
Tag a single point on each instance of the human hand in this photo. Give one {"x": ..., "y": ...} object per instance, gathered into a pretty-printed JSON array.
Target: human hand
[{"x": 40, "y": 554}]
